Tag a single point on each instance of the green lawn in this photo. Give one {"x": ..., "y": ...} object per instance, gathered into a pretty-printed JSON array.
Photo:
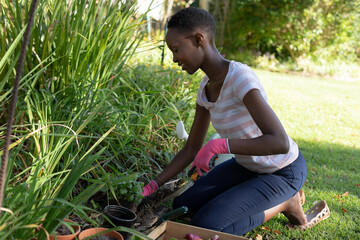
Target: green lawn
[{"x": 323, "y": 117}]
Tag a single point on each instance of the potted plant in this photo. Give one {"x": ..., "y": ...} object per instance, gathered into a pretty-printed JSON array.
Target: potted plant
[
  {"x": 100, "y": 233},
  {"x": 124, "y": 189},
  {"x": 64, "y": 233}
]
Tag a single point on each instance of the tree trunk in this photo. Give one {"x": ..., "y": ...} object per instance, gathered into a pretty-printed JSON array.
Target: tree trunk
[{"x": 224, "y": 21}]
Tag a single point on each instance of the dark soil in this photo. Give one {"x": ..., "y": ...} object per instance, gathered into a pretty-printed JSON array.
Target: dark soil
[
  {"x": 148, "y": 212},
  {"x": 103, "y": 238},
  {"x": 152, "y": 207},
  {"x": 63, "y": 230}
]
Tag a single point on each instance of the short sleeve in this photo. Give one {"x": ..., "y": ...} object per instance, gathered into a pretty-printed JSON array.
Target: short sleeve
[{"x": 244, "y": 81}]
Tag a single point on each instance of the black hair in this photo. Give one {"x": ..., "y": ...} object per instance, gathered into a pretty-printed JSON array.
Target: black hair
[{"x": 188, "y": 19}]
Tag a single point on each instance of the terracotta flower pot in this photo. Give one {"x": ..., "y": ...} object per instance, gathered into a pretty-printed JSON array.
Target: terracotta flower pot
[
  {"x": 93, "y": 231},
  {"x": 76, "y": 229}
]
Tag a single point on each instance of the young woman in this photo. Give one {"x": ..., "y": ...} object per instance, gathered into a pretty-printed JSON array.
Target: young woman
[{"x": 268, "y": 170}]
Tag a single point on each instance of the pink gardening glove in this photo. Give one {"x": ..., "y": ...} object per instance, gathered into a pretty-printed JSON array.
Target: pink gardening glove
[
  {"x": 150, "y": 188},
  {"x": 211, "y": 148}
]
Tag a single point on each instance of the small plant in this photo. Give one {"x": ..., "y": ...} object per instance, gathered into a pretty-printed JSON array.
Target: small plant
[
  {"x": 124, "y": 187},
  {"x": 129, "y": 190}
]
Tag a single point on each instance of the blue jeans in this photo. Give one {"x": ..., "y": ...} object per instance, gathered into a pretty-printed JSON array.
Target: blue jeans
[{"x": 232, "y": 199}]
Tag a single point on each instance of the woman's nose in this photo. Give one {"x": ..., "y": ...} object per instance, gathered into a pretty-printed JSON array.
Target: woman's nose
[{"x": 174, "y": 59}]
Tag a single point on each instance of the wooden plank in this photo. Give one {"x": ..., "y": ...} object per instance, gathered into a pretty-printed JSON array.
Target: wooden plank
[
  {"x": 179, "y": 230},
  {"x": 157, "y": 232}
]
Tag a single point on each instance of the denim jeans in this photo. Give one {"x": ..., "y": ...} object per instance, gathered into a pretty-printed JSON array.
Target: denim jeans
[{"x": 232, "y": 199}]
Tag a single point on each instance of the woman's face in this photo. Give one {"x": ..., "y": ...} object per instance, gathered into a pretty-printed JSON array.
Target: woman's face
[{"x": 187, "y": 52}]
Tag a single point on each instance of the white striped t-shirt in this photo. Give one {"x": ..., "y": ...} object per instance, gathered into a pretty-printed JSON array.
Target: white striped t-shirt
[{"x": 232, "y": 120}]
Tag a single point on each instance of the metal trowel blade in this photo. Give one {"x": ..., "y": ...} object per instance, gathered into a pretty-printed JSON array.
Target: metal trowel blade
[{"x": 180, "y": 190}]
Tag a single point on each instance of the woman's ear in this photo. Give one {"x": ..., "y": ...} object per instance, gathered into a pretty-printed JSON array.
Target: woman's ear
[{"x": 199, "y": 39}]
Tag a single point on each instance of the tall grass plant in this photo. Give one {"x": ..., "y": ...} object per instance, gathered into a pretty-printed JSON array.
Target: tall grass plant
[
  {"x": 83, "y": 113},
  {"x": 78, "y": 51}
]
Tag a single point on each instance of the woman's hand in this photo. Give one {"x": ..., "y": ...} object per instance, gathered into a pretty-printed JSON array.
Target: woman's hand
[
  {"x": 150, "y": 188},
  {"x": 211, "y": 148}
]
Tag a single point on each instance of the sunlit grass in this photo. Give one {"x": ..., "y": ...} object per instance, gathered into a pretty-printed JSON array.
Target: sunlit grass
[{"x": 322, "y": 115}]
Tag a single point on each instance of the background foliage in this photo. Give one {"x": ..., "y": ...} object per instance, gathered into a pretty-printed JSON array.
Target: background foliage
[
  {"x": 79, "y": 121},
  {"x": 302, "y": 32}
]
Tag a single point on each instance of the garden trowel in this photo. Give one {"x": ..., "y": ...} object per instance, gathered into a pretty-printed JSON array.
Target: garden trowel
[
  {"x": 193, "y": 176},
  {"x": 170, "y": 215}
]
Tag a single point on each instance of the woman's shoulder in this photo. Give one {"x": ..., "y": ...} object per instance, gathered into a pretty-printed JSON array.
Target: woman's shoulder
[
  {"x": 239, "y": 71},
  {"x": 239, "y": 66}
]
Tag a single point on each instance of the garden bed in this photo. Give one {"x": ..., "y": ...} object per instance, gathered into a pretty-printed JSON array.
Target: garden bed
[
  {"x": 151, "y": 208},
  {"x": 148, "y": 212}
]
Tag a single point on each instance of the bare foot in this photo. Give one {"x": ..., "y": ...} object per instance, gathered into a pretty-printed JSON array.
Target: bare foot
[{"x": 294, "y": 211}]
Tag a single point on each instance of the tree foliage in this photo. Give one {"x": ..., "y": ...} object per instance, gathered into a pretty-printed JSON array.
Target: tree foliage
[{"x": 293, "y": 28}]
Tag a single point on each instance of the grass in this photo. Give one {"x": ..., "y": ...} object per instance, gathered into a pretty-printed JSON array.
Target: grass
[
  {"x": 64, "y": 118},
  {"x": 322, "y": 116},
  {"x": 322, "y": 63},
  {"x": 96, "y": 128}
]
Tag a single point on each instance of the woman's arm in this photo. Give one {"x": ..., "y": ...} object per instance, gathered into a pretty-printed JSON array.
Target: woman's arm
[
  {"x": 192, "y": 146},
  {"x": 274, "y": 139}
]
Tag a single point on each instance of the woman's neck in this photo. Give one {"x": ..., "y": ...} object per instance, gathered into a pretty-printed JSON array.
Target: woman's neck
[{"x": 215, "y": 66}]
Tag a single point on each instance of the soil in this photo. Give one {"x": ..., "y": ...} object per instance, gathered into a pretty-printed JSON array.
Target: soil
[
  {"x": 103, "y": 238},
  {"x": 152, "y": 207},
  {"x": 148, "y": 212},
  {"x": 63, "y": 230}
]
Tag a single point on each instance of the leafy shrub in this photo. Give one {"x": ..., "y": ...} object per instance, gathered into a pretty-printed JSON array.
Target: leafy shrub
[
  {"x": 293, "y": 29},
  {"x": 76, "y": 49}
]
